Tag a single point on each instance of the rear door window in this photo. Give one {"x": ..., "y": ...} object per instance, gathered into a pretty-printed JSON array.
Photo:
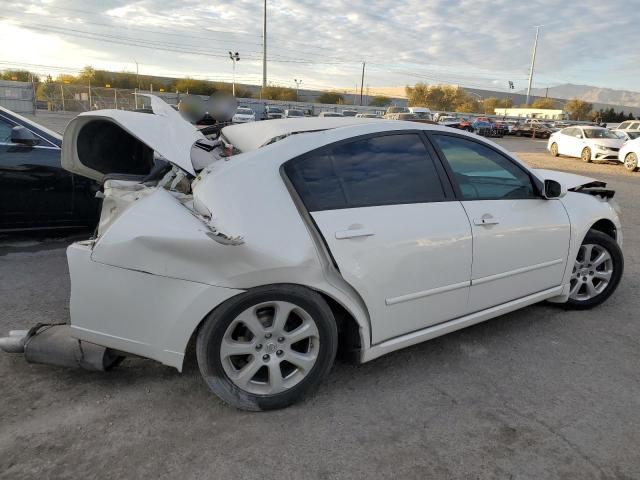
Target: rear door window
[{"x": 381, "y": 170}]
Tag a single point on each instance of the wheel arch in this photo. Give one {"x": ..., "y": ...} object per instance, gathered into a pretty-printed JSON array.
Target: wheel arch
[
  {"x": 605, "y": 226},
  {"x": 353, "y": 334}
]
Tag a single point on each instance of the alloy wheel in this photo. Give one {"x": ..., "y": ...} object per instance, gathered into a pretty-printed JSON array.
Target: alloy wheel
[
  {"x": 270, "y": 347},
  {"x": 631, "y": 161},
  {"x": 592, "y": 272}
]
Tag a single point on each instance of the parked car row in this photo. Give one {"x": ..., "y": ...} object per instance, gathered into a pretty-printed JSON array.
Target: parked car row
[{"x": 597, "y": 144}]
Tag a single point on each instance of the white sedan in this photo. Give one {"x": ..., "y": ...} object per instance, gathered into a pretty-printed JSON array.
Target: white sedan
[
  {"x": 244, "y": 115},
  {"x": 585, "y": 142},
  {"x": 629, "y": 154},
  {"x": 282, "y": 242}
]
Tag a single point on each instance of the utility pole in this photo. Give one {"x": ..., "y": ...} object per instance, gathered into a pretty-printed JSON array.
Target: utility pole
[
  {"x": 62, "y": 96},
  {"x": 298, "y": 82},
  {"x": 533, "y": 62},
  {"x": 235, "y": 57},
  {"x": 90, "y": 102},
  {"x": 264, "y": 46},
  {"x": 362, "y": 82}
]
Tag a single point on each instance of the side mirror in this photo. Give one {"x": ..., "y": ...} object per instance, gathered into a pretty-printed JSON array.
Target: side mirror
[
  {"x": 554, "y": 189},
  {"x": 23, "y": 136}
]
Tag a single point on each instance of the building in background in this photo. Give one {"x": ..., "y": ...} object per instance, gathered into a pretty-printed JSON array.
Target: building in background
[{"x": 545, "y": 113}]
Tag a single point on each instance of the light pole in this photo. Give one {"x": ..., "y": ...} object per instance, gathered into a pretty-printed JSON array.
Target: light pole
[
  {"x": 298, "y": 82},
  {"x": 264, "y": 46},
  {"x": 135, "y": 92},
  {"x": 235, "y": 57},
  {"x": 533, "y": 61}
]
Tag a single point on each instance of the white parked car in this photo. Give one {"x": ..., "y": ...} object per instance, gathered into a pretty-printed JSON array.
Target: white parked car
[
  {"x": 629, "y": 154},
  {"x": 330, "y": 114},
  {"x": 421, "y": 112},
  {"x": 585, "y": 142},
  {"x": 243, "y": 115},
  {"x": 293, "y": 113},
  {"x": 630, "y": 126},
  {"x": 314, "y": 235}
]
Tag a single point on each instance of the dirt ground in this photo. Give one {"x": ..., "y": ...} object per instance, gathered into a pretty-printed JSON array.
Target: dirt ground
[{"x": 541, "y": 393}]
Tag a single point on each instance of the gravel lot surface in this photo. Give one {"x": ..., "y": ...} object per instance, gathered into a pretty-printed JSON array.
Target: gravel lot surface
[{"x": 537, "y": 394}]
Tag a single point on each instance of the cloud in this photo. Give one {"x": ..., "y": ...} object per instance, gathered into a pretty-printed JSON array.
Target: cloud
[{"x": 470, "y": 42}]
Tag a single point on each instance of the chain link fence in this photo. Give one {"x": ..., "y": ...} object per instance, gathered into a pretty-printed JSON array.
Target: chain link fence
[
  {"x": 17, "y": 96},
  {"x": 55, "y": 96}
]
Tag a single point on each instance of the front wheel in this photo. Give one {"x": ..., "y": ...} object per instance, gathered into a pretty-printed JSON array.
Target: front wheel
[
  {"x": 596, "y": 272},
  {"x": 268, "y": 347},
  {"x": 586, "y": 155},
  {"x": 554, "y": 149},
  {"x": 631, "y": 162}
]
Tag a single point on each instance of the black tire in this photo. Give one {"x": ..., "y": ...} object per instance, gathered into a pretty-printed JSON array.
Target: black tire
[
  {"x": 554, "y": 149},
  {"x": 608, "y": 243},
  {"x": 586, "y": 155},
  {"x": 215, "y": 325}
]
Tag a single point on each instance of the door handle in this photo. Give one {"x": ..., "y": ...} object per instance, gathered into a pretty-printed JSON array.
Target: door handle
[
  {"x": 356, "y": 232},
  {"x": 486, "y": 219}
]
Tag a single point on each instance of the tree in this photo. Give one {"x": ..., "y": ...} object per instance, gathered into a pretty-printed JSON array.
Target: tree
[
  {"x": 578, "y": 109},
  {"x": 469, "y": 106},
  {"x": 546, "y": 103},
  {"x": 193, "y": 86},
  {"x": 441, "y": 97},
  {"x": 490, "y": 104},
  {"x": 273, "y": 92},
  {"x": 18, "y": 76},
  {"x": 330, "y": 97},
  {"x": 380, "y": 101}
]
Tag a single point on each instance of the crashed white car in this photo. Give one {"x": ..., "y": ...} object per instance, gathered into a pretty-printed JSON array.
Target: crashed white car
[{"x": 280, "y": 243}]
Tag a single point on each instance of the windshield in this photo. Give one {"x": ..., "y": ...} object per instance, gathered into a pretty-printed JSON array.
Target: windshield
[
  {"x": 329, "y": 114},
  {"x": 423, "y": 115},
  {"x": 274, "y": 109},
  {"x": 295, "y": 113},
  {"x": 245, "y": 111},
  {"x": 599, "y": 133}
]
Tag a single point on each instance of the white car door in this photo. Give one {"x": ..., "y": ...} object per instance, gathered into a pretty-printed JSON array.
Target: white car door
[
  {"x": 520, "y": 240},
  {"x": 387, "y": 213},
  {"x": 565, "y": 141}
]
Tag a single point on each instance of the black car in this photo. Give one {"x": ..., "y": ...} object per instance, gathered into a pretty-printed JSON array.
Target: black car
[
  {"x": 35, "y": 191},
  {"x": 532, "y": 129}
]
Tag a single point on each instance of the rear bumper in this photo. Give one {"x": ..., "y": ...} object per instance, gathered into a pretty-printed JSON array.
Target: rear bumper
[{"x": 136, "y": 312}]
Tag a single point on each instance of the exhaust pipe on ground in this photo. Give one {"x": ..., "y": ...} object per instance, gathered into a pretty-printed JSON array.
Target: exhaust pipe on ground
[{"x": 54, "y": 345}]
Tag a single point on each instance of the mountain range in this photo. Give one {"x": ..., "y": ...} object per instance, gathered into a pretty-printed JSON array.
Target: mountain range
[{"x": 590, "y": 94}]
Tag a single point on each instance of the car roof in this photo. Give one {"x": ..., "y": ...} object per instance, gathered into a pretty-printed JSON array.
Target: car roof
[
  {"x": 55, "y": 136},
  {"x": 251, "y": 136}
]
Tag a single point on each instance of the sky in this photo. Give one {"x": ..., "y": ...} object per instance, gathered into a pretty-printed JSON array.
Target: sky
[{"x": 473, "y": 43}]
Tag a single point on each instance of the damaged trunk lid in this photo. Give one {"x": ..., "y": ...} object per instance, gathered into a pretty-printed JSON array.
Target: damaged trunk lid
[{"x": 125, "y": 143}]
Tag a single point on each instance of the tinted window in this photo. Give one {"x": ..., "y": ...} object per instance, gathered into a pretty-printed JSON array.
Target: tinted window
[
  {"x": 482, "y": 173},
  {"x": 5, "y": 131},
  {"x": 390, "y": 169},
  {"x": 634, "y": 126}
]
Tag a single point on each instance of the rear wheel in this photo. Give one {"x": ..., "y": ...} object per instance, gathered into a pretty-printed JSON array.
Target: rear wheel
[
  {"x": 554, "y": 149},
  {"x": 631, "y": 162},
  {"x": 596, "y": 272},
  {"x": 586, "y": 155},
  {"x": 268, "y": 347}
]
